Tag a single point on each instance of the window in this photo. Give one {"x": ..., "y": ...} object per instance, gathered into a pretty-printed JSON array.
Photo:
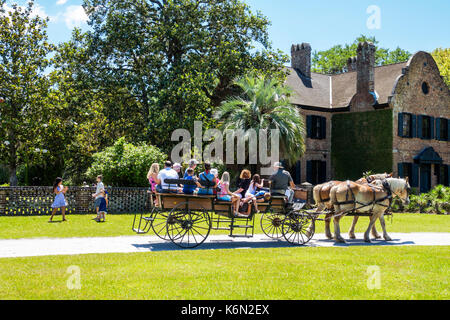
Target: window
[
  {"x": 407, "y": 125},
  {"x": 425, "y": 88},
  {"x": 442, "y": 129},
  {"x": 316, "y": 171},
  {"x": 442, "y": 173},
  {"x": 407, "y": 171},
  {"x": 426, "y": 127},
  {"x": 316, "y": 127}
]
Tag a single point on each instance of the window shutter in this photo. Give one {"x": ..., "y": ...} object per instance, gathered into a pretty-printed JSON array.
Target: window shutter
[
  {"x": 414, "y": 126},
  {"x": 415, "y": 176},
  {"x": 432, "y": 128},
  {"x": 419, "y": 127},
  {"x": 448, "y": 129},
  {"x": 324, "y": 127},
  {"x": 438, "y": 128},
  {"x": 323, "y": 172},
  {"x": 448, "y": 176},
  {"x": 400, "y": 124},
  {"x": 309, "y": 171},
  {"x": 298, "y": 172},
  {"x": 400, "y": 170},
  {"x": 309, "y": 126}
]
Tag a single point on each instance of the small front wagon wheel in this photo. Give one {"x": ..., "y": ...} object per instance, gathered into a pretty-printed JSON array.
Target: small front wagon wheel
[
  {"x": 296, "y": 229},
  {"x": 271, "y": 224},
  {"x": 188, "y": 228}
]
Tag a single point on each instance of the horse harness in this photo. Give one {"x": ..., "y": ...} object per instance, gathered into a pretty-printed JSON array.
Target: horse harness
[{"x": 375, "y": 201}]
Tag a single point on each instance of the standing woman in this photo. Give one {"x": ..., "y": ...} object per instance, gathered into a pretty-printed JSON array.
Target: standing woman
[{"x": 60, "y": 201}]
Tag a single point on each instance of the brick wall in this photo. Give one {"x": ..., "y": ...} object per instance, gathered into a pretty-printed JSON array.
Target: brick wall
[{"x": 410, "y": 98}]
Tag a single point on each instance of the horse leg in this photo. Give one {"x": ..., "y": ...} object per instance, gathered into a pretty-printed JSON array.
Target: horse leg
[
  {"x": 328, "y": 218},
  {"x": 351, "y": 232},
  {"x": 311, "y": 229},
  {"x": 375, "y": 232},
  {"x": 337, "y": 231},
  {"x": 373, "y": 219},
  {"x": 383, "y": 225}
]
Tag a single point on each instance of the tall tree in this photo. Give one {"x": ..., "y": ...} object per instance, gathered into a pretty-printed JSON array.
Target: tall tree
[
  {"x": 442, "y": 58},
  {"x": 334, "y": 60},
  {"x": 24, "y": 87},
  {"x": 263, "y": 103},
  {"x": 173, "y": 61}
]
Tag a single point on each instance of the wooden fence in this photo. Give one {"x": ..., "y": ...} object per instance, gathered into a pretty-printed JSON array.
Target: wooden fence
[{"x": 28, "y": 201}]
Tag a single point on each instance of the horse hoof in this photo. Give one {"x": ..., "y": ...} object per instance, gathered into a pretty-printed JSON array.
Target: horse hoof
[
  {"x": 367, "y": 240},
  {"x": 387, "y": 238},
  {"x": 352, "y": 236},
  {"x": 377, "y": 236},
  {"x": 340, "y": 240}
]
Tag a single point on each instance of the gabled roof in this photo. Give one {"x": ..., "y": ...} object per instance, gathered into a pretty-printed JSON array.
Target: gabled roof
[{"x": 336, "y": 91}]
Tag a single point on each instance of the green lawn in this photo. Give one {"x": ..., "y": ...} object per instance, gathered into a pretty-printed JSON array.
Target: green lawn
[
  {"x": 120, "y": 225},
  {"x": 282, "y": 273}
]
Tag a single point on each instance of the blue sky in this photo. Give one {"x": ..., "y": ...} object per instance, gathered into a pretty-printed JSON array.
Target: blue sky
[{"x": 412, "y": 25}]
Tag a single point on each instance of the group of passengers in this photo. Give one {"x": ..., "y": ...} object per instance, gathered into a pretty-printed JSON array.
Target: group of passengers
[{"x": 250, "y": 190}]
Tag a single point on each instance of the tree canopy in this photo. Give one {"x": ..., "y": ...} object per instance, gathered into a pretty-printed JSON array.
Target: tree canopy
[
  {"x": 334, "y": 60},
  {"x": 442, "y": 58}
]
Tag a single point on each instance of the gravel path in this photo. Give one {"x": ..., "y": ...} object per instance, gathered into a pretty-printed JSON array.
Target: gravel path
[{"x": 74, "y": 246}]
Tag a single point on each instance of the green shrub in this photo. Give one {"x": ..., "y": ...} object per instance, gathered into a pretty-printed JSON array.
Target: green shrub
[
  {"x": 436, "y": 201},
  {"x": 125, "y": 164}
]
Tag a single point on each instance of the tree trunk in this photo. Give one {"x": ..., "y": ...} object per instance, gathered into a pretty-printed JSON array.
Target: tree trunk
[{"x": 13, "y": 182}]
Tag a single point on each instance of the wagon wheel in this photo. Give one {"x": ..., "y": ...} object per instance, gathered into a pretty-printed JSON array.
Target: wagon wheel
[
  {"x": 159, "y": 223},
  {"x": 294, "y": 228},
  {"x": 188, "y": 228},
  {"x": 271, "y": 224}
]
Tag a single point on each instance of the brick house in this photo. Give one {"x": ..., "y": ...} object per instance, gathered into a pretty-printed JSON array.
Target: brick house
[{"x": 380, "y": 118}]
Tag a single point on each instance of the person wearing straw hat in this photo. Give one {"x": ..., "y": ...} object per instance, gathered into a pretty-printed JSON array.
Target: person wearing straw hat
[{"x": 281, "y": 180}]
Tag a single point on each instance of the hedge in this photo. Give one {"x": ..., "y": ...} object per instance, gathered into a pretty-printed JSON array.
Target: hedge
[{"x": 362, "y": 142}]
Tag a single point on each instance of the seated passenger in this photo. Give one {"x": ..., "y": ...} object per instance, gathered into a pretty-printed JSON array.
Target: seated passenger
[
  {"x": 165, "y": 174},
  {"x": 242, "y": 183},
  {"x": 187, "y": 188},
  {"x": 280, "y": 182},
  {"x": 207, "y": 181},
  {"x": 252, "y": 191},
  {"x": 225, "y": 193}
]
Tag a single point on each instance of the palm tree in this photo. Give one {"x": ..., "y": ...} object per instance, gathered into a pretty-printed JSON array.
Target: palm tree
[{"x": 264, "y": 104}]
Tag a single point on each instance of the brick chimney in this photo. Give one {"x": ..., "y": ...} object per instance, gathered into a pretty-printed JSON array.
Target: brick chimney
[
  {"x": 351, "y": 64},
  {"x": 301, "y": 58},
  {"x": 365, "y": 68}
]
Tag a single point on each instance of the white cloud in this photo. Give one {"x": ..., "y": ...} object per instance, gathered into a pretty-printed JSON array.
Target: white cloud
[
  {"x": 74, "y": 16},
  {"x": 38, "y": 10},
  {"x": 61, "y": 2}
]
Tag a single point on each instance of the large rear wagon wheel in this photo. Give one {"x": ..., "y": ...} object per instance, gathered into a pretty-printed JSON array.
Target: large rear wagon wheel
[
  {"x": 188, "y": 228},
  {"x": 271, "y": 224},
  {"x": 295, "y": 228}
]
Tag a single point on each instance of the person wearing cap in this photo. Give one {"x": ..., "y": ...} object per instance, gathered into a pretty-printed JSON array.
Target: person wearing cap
[
  {"x": 192, "y": 165},
  {"x": 281, "y": 180}
]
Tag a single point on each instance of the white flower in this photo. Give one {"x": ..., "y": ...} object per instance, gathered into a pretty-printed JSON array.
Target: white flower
[{"x": 7, "y": 143}]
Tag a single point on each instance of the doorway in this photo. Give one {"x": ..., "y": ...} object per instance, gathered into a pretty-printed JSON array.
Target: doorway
[{"x": 425, "y": 178}]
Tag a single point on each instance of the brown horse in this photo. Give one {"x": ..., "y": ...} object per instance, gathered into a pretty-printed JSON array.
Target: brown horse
[
  {"x": 350, "y": 196},
  {"x": 321, "y": 194}
]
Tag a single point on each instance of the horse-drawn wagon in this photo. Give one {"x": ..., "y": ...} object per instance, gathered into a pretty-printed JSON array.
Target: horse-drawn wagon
[{"x": 187, "y": 220}]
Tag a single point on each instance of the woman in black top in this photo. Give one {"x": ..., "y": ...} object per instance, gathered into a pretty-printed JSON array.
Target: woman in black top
[{"x": 242, "y": 183}]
